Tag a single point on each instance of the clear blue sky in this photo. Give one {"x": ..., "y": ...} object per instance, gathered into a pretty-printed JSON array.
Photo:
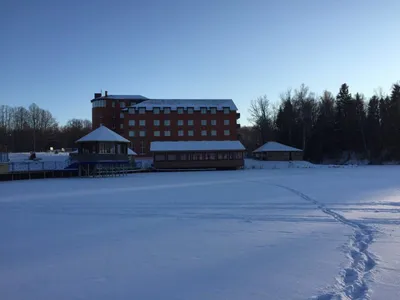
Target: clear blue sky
[{"x": 58, "y": 53}]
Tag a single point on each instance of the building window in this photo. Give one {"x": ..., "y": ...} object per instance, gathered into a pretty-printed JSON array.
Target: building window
[
  {"x": 180, "y": 133},
  {"x": 190, "y": 123},
  {"x": 99, "y": 103},
  {"x": 213, "y": 132},
  {"x": 204, "y": 133},
  {"x": 142, "y": 122},
  {"x": 214, "y": 122},
  {"x": 183, "y": 156},
  {"x": 203, "y": 110},
  {"x": 180, "y": 110},
  {"x": 197, "y": 156},
  {"x": 159, "y": 157},
  {"x": 226, "y": 122},
  {"x": 142, "y": 147},
  {"x": 167, "y": 122},
  {"x": 180, "y": 122},
  {"x": 131, "y": 122},
  {"x": 213, "y": 110},
  {"x": 203, "y": 122},
  {"x": 142, "y": 110},
  {"x": 167, "y": 133},
  {"x": 190, "y": 110},
  {"x": 131, "y": 133},
  {"x": 226, "y": 110},
  {"x": 113, "y": 104},
  {"x": 121, "y": 115},
  {"x": 157, "y": 133},
  {"x": 239, "y": 155},
  {"x": 156, "y": 110},
  {"x": 223, "y": 156},
  {"x": 156, "y": 122},
  {"x": 122, "y": 104},
  {"x": 142, "y": 133},
  {"x": 210, "y": 156},
  {"x": 167, "y": 110},
  {"x": 121, "y": 126},
  {"x": 171, "y": 157},
  {"x": 190, "y": 133},
  {"x": 106, "y": 148},
  {"x": 131, "y": 111},
  {"x": 132, "y": 103},
  {"x": 226, "y": 132}
]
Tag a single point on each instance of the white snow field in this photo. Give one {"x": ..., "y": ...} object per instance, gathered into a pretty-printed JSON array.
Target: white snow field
[{"x": 301, "y": 233}]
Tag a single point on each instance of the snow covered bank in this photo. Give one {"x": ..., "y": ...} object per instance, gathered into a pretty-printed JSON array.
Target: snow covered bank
[
  {"x": 43, "y": 161},
  {"x": 41, "y": 156},
  {"x": 260, "y": 164}
]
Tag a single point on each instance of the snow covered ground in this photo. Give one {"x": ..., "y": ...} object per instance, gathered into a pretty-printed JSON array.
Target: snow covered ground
[
  {"x": 293, "y": 233},
  {"x": 262, "y": 164}
]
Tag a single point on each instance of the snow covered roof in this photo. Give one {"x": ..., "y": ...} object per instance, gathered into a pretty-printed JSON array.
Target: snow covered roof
[
  {"x": 126, "y": 97},
  {"x": 196, "y": 104},
  {"x": 276, "y": 147},
  {"x": 121, "y": 97},
  {"x": 197, "y": 146},
  {"x": 131, "y": 152},
  {"x": 102, "y": 134}
]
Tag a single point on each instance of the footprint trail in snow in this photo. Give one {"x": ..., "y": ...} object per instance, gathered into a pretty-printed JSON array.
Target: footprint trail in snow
[{"x": 353, "y": 282}]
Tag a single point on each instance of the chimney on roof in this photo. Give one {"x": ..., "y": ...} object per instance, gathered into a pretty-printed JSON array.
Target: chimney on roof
[
  {"x": 105, "y": 93},
  {"x": 97, "y": 95}
]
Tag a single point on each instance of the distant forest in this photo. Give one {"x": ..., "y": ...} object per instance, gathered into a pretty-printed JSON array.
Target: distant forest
[
  {"x": 329, "y": 126},
  {"x": 35, "y": 129},
  {"x": 325, "y": 127}
]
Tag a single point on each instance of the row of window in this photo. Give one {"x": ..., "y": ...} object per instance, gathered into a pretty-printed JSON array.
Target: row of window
[
  {"x": 157, "y": 133},
  {"x": 99, "y": 103},
  {"x": 199, "y": 156},
  {"x": 105, "y": 148},
  {"x": 180, "y": 110},
  {"x": 180, "y": 122},
  {"x": 158, "y": 110}
]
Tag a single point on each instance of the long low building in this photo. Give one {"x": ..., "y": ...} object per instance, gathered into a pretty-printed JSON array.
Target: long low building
[
  {"x": 275, "y": 151},
  {"x": 198, "y": 155}
]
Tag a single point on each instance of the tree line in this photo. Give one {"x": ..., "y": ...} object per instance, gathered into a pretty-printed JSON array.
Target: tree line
[
  {"x": 329, "y": 126},
  {"x": 35, "y": 129},
  {"x": 325, "y": 127}
]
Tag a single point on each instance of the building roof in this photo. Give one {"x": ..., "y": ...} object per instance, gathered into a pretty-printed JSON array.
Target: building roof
[
  {"x": 131, "y": 152},
  {"x": 173, "y": 104},
  {"x": 276, "y": 147},
  {"x": 197, "y": 146},
  {"x": 126, "y": 97},
  {"x": 102, "y": 134},
  {"x": 121, "y": 97}
]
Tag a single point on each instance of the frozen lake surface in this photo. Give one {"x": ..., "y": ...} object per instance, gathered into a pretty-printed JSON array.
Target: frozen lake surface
[{"x": 321, "y": 233}]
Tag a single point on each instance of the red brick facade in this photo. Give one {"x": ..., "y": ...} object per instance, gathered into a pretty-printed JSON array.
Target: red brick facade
[{"x": 189, "y": 122}]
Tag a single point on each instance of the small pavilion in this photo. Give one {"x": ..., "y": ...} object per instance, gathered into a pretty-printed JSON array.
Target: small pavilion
[
  {"x": 102, "y": 152},
  {"x": 274, "y": 151}
]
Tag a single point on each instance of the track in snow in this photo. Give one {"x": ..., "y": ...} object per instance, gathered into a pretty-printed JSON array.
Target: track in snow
[{"x": 353, "y": 281}]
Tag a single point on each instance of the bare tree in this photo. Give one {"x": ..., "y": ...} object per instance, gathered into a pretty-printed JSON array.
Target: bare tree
[
  {"x": 34, "y": 119},
  {"x": 261, "y": 118}
]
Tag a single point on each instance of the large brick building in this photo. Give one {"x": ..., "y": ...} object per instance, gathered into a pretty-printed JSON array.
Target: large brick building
[{"x": 143, "y": 120}]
